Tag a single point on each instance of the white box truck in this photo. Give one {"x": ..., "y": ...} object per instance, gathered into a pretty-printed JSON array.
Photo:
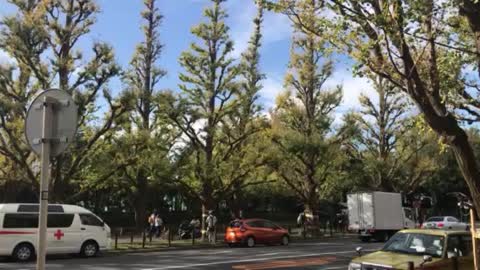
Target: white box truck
[{"x": 377, "y": 215}]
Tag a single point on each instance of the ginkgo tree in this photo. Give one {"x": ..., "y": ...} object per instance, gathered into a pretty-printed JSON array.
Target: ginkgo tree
[
  {"x": 420, "y": 47},
  {"x": 42, "y": 39}
]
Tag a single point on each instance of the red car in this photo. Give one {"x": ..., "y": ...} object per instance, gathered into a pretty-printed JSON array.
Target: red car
[{"x": 255, "y": 231}]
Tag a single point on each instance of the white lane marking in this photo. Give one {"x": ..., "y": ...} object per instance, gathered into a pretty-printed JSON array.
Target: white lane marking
[
  {"x": 318, "y": 244},
  {"x": 338, "y": 267},
  {"x": 221, "y": 252},
  {"x": 266, "y": 254},
  {"x": 250, "y": 260}
]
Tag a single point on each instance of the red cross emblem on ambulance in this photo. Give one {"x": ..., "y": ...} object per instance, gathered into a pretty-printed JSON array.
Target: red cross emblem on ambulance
[{"x": 59, "y": 234}]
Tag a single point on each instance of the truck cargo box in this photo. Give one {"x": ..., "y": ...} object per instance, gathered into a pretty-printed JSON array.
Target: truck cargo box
[{"x": 375, "y": 210}]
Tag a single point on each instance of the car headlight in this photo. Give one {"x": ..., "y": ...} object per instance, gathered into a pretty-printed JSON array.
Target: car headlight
[{"x": 354, "y": 266}]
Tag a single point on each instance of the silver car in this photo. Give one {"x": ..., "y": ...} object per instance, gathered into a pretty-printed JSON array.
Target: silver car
[{"x": 446, "y": 223}]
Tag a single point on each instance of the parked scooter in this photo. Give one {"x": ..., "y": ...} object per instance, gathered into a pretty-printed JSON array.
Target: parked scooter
[{"x": 185, "y": 230}]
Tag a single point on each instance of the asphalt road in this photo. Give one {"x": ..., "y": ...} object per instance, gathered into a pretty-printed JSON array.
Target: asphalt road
[{"x": 328, "y": 254}]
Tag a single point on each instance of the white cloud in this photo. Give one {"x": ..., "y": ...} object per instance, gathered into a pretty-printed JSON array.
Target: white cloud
[{"x": 353, "y": 87}]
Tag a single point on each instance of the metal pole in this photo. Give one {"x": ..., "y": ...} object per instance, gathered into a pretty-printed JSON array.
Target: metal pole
[
  {"x": 193, "y": 236},
  {"x": 116, "y": 239},
  {"x": 44, "y": 184},
  {"x": 169, "y": 237},
  {"x": 474, "y": 238},
  {"x": 304, "y": 230}
]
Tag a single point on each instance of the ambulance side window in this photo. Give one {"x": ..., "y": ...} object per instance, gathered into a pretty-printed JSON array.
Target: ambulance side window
[
  {"x": 20, "y": 221},
  {"x": 90, "y": 220},
  {"x": 59, "y": 220}
]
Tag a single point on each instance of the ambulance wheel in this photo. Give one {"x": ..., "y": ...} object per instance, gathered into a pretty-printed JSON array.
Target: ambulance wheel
[
  {"x": 23, "y": 252},
  {"x": 89, "y": 249}
]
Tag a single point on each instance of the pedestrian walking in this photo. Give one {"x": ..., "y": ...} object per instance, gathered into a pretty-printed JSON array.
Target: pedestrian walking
[
  {"x": 158, "y": 225},
  {"x": 301, "y": 219},
  {"x": 151, "y": 223},
  {"x": 211, "y": 223},
  {"x": 195, "y": 222}
]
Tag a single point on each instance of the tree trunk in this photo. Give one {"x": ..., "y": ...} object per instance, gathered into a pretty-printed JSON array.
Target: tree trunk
[
  {"x": 468, "y": 166},
  {"x": 311, "y": 200},
  {"x": 463, "y": 149},
  {"x": 307, "y": 208},
  {"x": 140, "y": 212},
  {"x": 140, "y": 201}
]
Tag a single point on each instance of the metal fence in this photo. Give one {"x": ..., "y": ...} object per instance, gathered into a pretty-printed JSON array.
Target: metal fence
[{"x": 131, "y": 238}]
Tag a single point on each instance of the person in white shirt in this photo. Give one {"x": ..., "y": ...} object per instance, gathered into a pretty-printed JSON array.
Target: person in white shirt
[
  {"x": 158, "y": 225},
  {"x": 211, "y": 223}
]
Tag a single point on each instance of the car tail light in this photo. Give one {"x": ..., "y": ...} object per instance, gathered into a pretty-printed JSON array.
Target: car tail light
[
  {"x": 232, "y": 234},
  {"x": 440, "y": 225},
  {"x": 242, "y": 229}
]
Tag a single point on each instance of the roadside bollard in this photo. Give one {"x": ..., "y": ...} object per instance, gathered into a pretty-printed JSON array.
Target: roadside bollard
[
  {"x": 116, "y": 239},
  {"x": 150, "y": 237},
  {"x": 144, "y": 239},
  {"x": 410, "y": 266},
  {"x": 131, "y": 238}
]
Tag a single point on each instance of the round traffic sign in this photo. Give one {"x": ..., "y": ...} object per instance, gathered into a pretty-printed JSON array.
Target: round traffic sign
[{"x": 63, "y": 125}]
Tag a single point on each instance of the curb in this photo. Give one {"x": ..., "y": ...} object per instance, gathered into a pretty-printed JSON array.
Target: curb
[{"x": 159, "y": 249}]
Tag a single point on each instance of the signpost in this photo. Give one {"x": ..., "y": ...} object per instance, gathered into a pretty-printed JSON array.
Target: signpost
[
  {"x": 474, "y": 231},
  {"x": 50, "y": 126}
]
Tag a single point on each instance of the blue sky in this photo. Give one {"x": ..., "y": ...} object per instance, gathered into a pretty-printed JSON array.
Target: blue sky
[{"x": 119, "y": 24}]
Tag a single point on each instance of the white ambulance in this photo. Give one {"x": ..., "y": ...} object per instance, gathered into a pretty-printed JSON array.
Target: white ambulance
[{"x": 71, "y": 229}]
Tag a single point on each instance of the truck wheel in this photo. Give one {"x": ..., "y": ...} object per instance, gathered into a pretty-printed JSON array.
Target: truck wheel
[{"x": 365, "y": 239}]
